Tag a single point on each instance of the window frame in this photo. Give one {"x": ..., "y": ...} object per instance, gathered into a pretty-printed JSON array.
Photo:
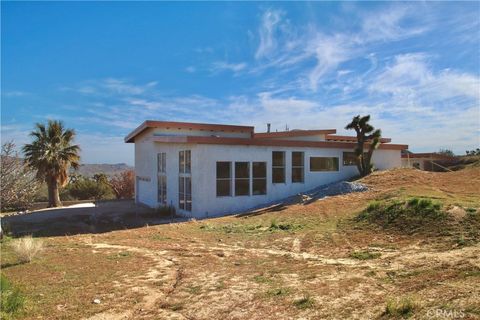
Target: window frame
[
  {"x": 302, "y": 166},
  {"x": 258, "y": 179},
  {"x": 162, "y": 178},
  {"x": 336, "y": 160},
  {"x": 242, "y": 179},
  {"x": 185, "y": 180},
  {"x": 229, "y": 179},
  {"x": 282, "y": 167}
]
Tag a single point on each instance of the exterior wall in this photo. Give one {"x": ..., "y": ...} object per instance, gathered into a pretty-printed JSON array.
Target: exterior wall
[{"x": 203, "y": 165}]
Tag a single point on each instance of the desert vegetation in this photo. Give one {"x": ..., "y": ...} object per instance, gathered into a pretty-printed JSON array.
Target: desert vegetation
[{"x": 407, "y": 247}]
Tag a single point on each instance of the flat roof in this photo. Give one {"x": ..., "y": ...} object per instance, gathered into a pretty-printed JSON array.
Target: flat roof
[
  {"x": 335, "y": 137},
  {"x": 186, "y": 125},
  {"x": 293, "y": 133},
  {"x": 269, "y": 142}
]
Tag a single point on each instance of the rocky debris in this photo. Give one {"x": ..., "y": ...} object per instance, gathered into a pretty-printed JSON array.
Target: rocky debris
[
  {"x": 333, "y": 189},
  {"x": 96, "y": 301}
]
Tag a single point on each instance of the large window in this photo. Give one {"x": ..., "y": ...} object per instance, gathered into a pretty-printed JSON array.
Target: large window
[
  {"x": 185, "y": 181},
  {"x": 162, "y": 178},
  {"x": 224, "y": 179},
  {"x": 259, "y": 182},
  {"x": 278, "y": 167},
  {"x": 298, "y": 172},
  {"x": 242, "y": 178},
  {"x": 323, "y": 164}
]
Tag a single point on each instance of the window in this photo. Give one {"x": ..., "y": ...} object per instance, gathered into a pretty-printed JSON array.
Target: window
[
  {"x": 278, "y": 167},
  {"x": 242, "y": 178},
  {"x": 184, "y": 161},
  {"x": 298, "y": 167},
  {"x": 162, "y": 178},
  {"x": 323, "y": 164},
  {"x": 224, "y": 179},
  {"x": 185, "y": 181},
  {"x": 259, "y": 184}
]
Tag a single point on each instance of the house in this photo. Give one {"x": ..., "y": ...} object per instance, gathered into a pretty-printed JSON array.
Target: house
[
  {"x": 214, "y": 169},
  {"x": 429, "y": 161}
]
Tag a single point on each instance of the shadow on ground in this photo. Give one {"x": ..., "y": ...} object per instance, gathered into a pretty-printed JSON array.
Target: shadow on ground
[{"x": 105, "y": 217}]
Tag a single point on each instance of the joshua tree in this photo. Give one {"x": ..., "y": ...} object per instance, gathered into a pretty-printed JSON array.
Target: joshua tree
[
  {"x": 365, "y": 133},
  {"x": 51, "y": 153}
]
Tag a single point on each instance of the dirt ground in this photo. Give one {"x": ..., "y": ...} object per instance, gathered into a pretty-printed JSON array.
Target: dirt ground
[{"x": 296, "y": 263}]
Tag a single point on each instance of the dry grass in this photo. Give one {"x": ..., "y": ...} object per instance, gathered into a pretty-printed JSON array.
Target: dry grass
[
  {"x": 290, "y": 264},
  {"x": 27, "y": 248}
]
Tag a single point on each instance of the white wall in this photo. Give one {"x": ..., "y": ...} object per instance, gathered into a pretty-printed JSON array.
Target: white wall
[{"x": 204, "y": 158}]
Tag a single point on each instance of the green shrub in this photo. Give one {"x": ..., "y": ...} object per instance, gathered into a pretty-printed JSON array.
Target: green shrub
[
  {"x": 407, "y": 215},
  {"x": 365, "y": 255},
  {"x": 84, "y": 188},
  {"x": 403, "y": 307},
  {"x": 12, "y": 300}
]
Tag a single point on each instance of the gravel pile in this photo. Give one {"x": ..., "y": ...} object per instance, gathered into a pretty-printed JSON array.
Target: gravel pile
[{"x": 333, "y": 189}]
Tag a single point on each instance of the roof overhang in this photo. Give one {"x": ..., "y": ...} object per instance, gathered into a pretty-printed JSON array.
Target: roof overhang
[
  {"x": 331, "y": 137},
  {"x": 188, "y": 126},
  {"x": 293, "y": 133},
  {"x": 268, "y": 142}
]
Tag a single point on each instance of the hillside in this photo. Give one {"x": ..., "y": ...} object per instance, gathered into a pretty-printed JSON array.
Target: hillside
[
  {"x": 89, "y": 169},
  {"x": 315, "y": 261}
]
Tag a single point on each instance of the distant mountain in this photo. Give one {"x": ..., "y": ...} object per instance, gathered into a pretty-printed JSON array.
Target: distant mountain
[{"x": 89, "y": 169}]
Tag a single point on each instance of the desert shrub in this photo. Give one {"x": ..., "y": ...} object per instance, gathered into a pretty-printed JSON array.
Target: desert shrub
[
  {"x": 365, "y": 255},
  {"x": 278, "y": 292},
  {"x": 408, "y": 215},
  {"x": 18, "y": 185},
  {"x": 123, "y": 184},
  {"x": 84, "y": 188},
  {"x": 12, "y": 300},
  {"x": 403, "y": 307},
  {"x": 27, "y": 248}
]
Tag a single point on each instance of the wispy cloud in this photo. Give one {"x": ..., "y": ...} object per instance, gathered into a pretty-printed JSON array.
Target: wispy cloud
[
  {"x": 267, "y": 30},
  {"x": 220, "y": 66},
  {"x": 14, "y": 93}
]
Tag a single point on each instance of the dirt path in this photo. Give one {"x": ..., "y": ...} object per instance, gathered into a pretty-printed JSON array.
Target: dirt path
[{"x": 156, "y": 284}]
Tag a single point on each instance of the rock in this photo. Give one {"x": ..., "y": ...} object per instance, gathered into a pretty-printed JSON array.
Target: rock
[{"x": 96, "y": 301}]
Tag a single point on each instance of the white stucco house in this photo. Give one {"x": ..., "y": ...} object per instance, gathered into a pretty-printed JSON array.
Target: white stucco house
[{"x": 214, "y": 169}]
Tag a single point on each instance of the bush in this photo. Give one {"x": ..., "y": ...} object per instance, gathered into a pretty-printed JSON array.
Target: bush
[
  {"x": 86, "y": 189},
  {"x": 27, "y": 248},
  {"x": 18, "y": 185},
  {"x": 405, "y": 215},
  {"x": 403, "y": 307},
  {"x": 12, "y": 300},
  {"x": 365, "y": 255}
]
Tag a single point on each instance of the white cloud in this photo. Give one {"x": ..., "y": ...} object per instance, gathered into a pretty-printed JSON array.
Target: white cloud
[
  {"x": 411, "y": 78},
  {"x": 388, "y": 25},
  {"x": 268, "y": 27},
  {"x": 220, "y": 66}
]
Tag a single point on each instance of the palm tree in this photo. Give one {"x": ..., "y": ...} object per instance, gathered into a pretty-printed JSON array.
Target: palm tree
[
  {"x": 365, "y": 133},
  {"x": 51, "y": 153}
]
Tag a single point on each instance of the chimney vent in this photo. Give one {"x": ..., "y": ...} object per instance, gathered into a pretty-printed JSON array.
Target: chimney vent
[{"x": 268, "y": 127}]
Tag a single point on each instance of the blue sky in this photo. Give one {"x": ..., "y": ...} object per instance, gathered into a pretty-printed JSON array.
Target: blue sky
[{"x": 105, "y": 67}]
